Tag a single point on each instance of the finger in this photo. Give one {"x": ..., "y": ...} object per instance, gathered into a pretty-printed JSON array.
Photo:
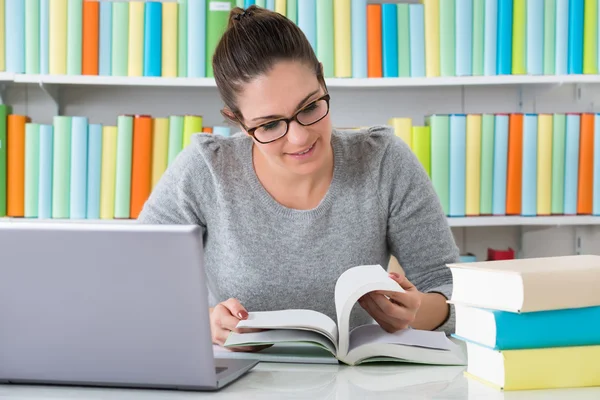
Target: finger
[
  {"x": 393, "y": 311},
  {"x": 250, "y": 349},
  {"x": 236, "y": 308},
  {"x": 410, "y": 300},
  {"x": 375, "y": 312},
  {"x": 402, "y": 280}
]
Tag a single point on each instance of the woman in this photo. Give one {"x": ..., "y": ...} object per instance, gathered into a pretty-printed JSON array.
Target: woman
[{"x": 290, "y": 204}]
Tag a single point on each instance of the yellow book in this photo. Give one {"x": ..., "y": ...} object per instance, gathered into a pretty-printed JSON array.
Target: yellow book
[
  {"x": 57, "y": 38},
  {"x": 473, "y": 155},
  {"x": 169, "y": 40},
  {"x": 2, "y": 38},
  {"x": 432, "y": 37},
  {"x": 544, "y": 164},
  {"x": 160, "y": 148},
  {"x": 341, "y": 37},
  {"x": 421, "y": 146},
  {"x": 402, "y": 129},
  {"x": 135, "y": 65},
  {"x": 528, "y": 369},
  {"x": 192, "y": 124},
  {"x": 281, "y": 7},
  {"x": 108, "y": 173}
]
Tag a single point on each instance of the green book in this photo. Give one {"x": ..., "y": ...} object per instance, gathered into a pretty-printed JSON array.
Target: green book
[
  {"x": 292, "y": 10},
  {"x": 5, "y": 110},
  {"x": 421, "y": 145},
  {"x": 549, "y": 37},
  {"x": 519, "y": 32},
  {"x": 559, "y": 127},
  {"x": 590, "y": 37},
  {"x": 478, "y": 28},
  {"x": 439, "y": 126},
  {"x": 123, "y": 168},
  {"x": 325, "y": 46},
  {"x": 120, "y": 38},
  {"x": 175, "y": 137},
  {"x": 217, "y": 17},
  {"x": 487, "y": 164},
  {"x": 74, "y": 36},
  {"x": 261, "y": 3},
  {"x": 404, "y": 40},
  {"x": 61, "y": 172},
  {"x": 447, "y": 37},
  {"x": 32, "y": 169},
  {"x": 32, "y": 36},
  {"x": 182, "y": 49}
]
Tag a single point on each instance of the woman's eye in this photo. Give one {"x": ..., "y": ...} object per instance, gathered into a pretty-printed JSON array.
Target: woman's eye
[
  {"x": 310, "y": 107},
  {"x": 271, "y": 125}
]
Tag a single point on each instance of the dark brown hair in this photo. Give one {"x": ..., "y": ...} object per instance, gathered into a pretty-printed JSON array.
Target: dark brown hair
[{"x": 256, "y": 39}]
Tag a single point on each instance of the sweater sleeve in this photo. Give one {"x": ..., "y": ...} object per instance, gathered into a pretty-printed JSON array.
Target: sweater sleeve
[{"x": 417, "y": 230}]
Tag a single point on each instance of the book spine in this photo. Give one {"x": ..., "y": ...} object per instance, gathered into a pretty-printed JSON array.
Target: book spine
[
  {"x": 175, "y": 137},
  {"x": 478, "y": 36},
  {"x": 169, "y": 40},
  {"x": 473, "y": 178},
  {"x": 182, "y": 38},
  {"x": 78, "y": 174},
  {"x": 270, "y": 5},
  {"x": 505, "y": 28},
  {"x": 107, "y": 175},
  {"x": 549, "y": 36},
  {"x": 590, "y": 37},
  {"x": 389, "y": 24},
  {"x": 575, "y": 38},
  {"x": 262, "y": 4},
  {"x": 5, "y": 110},
  {"x": 44, "y": 37},
  {"x": 32, "y": 36},
  {"x": 222, "y": 130},
  {"x": 342, "y": 34},
  {"x": 464, "y": 37},
  {"x": 358, "y": 26},
  {"x": 529, "y": 177},
  {"x": 487, "y": 164},
  {"x": 3, "y": 35},
  {"x": 490, "y": 47},
  {"x": 123, "y": 166},
  {"x": 135, "y": 64},
  {"x": 519, "y": 37},
  {"x": 562, "y": 37},
  {"x": 404, "y": 40},
  {"x": 105, "y": 40},
  {"x": 153, "y": 39},
  {"x": 417, "y": 40},
  {"x": 535, "y": 37},
  {"x": 432, "y": 37},
  {"x": 500, "y": 165},
  {"x": 281, "y": 7},
  {"x": 62, "y": 167},
  {"x": 447, "y": 37},
  {"x": 196, "y": 40},
  {"x": 544, "y": 165},
  {"x": 217, "y": 18},
  {"x": 571, "y": 164},
  {"x": 291, "y": 10},
  {"x": 91, "y": 30},
  {"x": 46, "y": 162},
  {"x": 74, "y": 36},
  {"x": 596, "y": 187},
  {"x": 421, "y": 141},
  {"x": 15, "y": 156},
  {"x": 57, "y": 45},
  {"x": 586, "y": 165},
  {"x": 325, "y": 47},
  {"x": 307, "y": 21},
  {"x": 120, "y": 38},
  {"x": 141, "y": 164},
  {"x": 160, "y": 149},
  {"x": 515, "y": 164},
  {"x": 192, "y": 124},
  {"x": 94, "y": 171},
  {"x": 440, "y": 158},
  {"x": 402, "y": 129},
  {"x": 15, "y": 36},
  {"x": 458, "y": 132},
  {"x": 32, "y": 169},
  {"x": 374, "y": 41},
  {"x": 558, "y": 163}
]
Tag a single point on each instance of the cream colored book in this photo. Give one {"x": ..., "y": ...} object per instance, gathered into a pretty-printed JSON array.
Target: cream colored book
[
  {"x": 366, "y": 343},
  {"x": 526, "y": 285}
]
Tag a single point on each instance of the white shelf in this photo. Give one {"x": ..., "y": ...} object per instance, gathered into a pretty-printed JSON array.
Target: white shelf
[
  {"x": 556, "y": 220},
  {"x": 114, "y": 80}
]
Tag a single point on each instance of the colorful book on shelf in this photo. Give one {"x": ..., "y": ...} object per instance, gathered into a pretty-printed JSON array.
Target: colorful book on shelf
[
  {"x": 500, "y": 165},
  {"x": 558, "y": 163},
  {"x": 374, "y": 41},
  {"x": 15, "y": 155},
  {"x": 439, "y": 126},
  {"x": 342, "y": 35},
  {"x": 389, "y": 33},
  {"x": 5, "y": 110},
  {"x": 500, "y": 254},
  {"x": 44, "y": 36},
  {"x": 514, "y": 172},
  {"x": 196, "y": 38},
  {"x": 417, "y": 40},
  {"x": 549, "y": 37},
  {"x": 490, "y": 38},
  {"x": 123, "y": 166},
  {"x": 95, "y": 153},
  {"x": 487, "y": 164},
  {"x": 15, "y": 35},
  {"x": 403, "y": 40},
  {"x": 160, "y": 149},
  {"x": 135, "y": 63},
  {"x": 432, "y": 37},
  {"x": 544, "y": 165},
  {"x": 586, "y": 165},
  {"x": 572, "y": 163},
  {"x": 478, "y": 37},
  {"x": 141, "y": 164},
  {"x": 562, "y": 37},
  {"x": 325, "y": 41},
  {"x": 32, "y": 37},
  {"x": 90, "y": 39},
  {"x": 217, "y": 16},
  {"x": 105, "y": 40},
  {"x": 534, "y": 47},
  {"x": 504, "y": 39},
  {"x": 307, "y": 22},
  {"x": 519, "y": 37},
  {"x": 153, "y": 39},
  {"x": 74, "y": 37},
  {"x": 447, "y": 37},
  {"x": 78, "y": 168},
  {"x": 473, "y": 165},
  {"x": 46, "y": 162},
  {"x": 57, "y": 38},
  {"x": 596, "y": 186},
  {"x": 590, "y": 37},
  {"x": 108, "y": 172},
  {"x": 402, "y": 129},
  {"x": 32, "y": 169},
  {"x": 120, "y": 39},
  {"x": 458, "y": 140},
  {"x": 182, "y": 38},
  {"x": 464, "y": 37},
  {"x": 61, "y": 182},
  {"x": 421, "y": 145},
  {"x": 169, "y": 40},
  {"x": 575, "y": 38},
  {"x": 529, "y": 171}
]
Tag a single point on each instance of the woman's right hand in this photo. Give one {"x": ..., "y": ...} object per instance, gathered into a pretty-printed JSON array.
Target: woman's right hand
[{"x": 224, "y": 318}]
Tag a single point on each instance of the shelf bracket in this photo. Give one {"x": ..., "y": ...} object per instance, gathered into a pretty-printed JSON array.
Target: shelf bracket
[{"x": 53, "y": 92}]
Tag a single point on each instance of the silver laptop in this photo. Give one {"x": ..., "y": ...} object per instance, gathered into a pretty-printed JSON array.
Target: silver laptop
[{"x": 121, "y": 305}]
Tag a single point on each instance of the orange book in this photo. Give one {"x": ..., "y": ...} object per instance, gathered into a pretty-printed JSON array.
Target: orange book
[
  {"x": 141, "y": 164},
  {"x": 515, "y": 164},
  {"x": 374, "y": 59},
  {"x": 15, "y": 165},
  {"x": 586, "y": 165},
  {"x": 207, "y": 129},
  {"x": 90, "y": 38}
]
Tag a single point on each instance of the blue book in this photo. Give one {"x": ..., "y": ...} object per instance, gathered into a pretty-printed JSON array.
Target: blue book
[
  {"x": 535, "y": 37},
  {"x": 500, "y": 165},
  {"x": 417, "y": 39},
  {"x": 465, "y": 258},
  {"x": 359, "y": 38},
  {"x": 505, "y": 23},
  {"x": 79, "y": 145},
  {"x": 464, "y": 37},
  {"x": 248, "y": 3},
  {"x": 490, "y": 37},
  {"x": 529, "y": 172},
  {"x": 596, "y": 198},
  {"x": 530, "y": 330},
  {"x": 307, "y": 21},
  {"x": 105, "y": 40},
  {"x": 45, "y": 175},
  {"x": 153, "y": 39},
  {"x": 575, "y": 46},
  {"x": 221, "y": 130},
  {"x": 562, "y": 37},
  {"x": 458, "y": 171},
  {"x": 270, "y": 5},
  {"x": 196, "y": 38},
  {"x": 94, "y": 169},
  {"x": 572, "y": 163},
  {"x": 15, "y": 36},
  {"x": 389, "y": 39},
  {"x": 44, "y": 36}
]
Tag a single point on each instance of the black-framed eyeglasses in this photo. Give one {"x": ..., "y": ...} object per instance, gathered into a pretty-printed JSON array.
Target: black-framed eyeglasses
[{"x": 278, "y": 128}]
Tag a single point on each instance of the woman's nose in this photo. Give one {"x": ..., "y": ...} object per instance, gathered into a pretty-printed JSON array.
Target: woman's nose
[{"x": 297, "y": 134}]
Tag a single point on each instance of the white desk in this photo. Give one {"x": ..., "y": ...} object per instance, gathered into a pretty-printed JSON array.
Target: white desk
[{"x": 314, "y": 382}]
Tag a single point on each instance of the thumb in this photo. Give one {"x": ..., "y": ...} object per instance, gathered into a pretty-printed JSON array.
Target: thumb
[
  {"x": 236, "y": 308},
  {"x": 402, "y": 280}
]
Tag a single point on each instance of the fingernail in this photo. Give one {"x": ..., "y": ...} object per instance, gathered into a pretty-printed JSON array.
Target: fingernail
[
  {"x": 242, "y": 315},
  {"x": 393, "y": 275}
]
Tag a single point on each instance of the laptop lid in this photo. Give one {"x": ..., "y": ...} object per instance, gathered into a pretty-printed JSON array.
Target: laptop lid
[{"x": 117, "y": 304}]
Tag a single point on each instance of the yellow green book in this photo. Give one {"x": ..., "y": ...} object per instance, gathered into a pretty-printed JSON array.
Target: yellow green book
[
  {"x": 519, "y": 37},
  {"x": 192, "y": 124},
  {"x": 135, "y": 65},
  {"x": 432, "y": 37},
  {"x": 590, "y": 37},
  {"x": 544, "y": 164},
  {"x": 108, "y": 172},
  {"x": 341, "y": 37},
  {"x": 402, "y": 129},
  {"x": 160, "y": 148},
  {"x": 421, "y": 146},
  {"x": 473, "y": 163}
]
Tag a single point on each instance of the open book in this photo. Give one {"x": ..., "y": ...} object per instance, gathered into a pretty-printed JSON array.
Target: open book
[{"x": 365, "y": 343}]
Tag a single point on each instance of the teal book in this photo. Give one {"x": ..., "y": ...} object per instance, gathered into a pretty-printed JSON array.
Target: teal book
[
  {"x": 32, "y": 36},
  {"x": 559, "y": 128},
  {"x": 32, "y": 169},
  {"x": 529, "y": 171},
  {"x": 123, "y": 168},
  {"x": 79, "y": 163},
  {"x": 61, "y": 171},
  {"x": 549, "y": 37},
  {"x": 440, "y": 158},
  {"x": 478, "y": 36},
  {"x": 325, "y": 47},
  {"x": 44, "y": 207},
  {"x": 447, "y": 38},
  {"x": 458, "y": 174},
  {"x": 487, "y": 164},
  {"x": 404, "y": 40},
  {"x": 503, "y": 330},
  {"x": 94, "y": 171}
]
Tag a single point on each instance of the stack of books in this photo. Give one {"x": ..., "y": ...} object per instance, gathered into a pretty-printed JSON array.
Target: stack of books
[{"x": 530, "y": 323}]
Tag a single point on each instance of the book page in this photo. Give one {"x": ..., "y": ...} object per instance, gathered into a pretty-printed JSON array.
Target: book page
[
  {"x": 409, "y": 337},
  {"x": 296, "y": 353},
  {"x": 292, "y": 319},
  {"x": 280, "y": 336}
]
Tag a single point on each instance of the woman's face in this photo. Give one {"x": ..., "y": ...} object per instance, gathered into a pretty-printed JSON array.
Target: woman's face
[{"x": 287, "y": 88}]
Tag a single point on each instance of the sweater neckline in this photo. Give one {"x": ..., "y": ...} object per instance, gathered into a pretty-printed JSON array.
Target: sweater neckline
[{"x": 274, "y": 206}]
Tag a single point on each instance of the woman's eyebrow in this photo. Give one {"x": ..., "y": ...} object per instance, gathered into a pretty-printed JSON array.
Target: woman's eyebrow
[{"x": 297, "y": 107}]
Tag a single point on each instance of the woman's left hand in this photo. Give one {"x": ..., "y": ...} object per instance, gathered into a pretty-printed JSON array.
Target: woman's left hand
[{"x": 393, "y": 311}]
